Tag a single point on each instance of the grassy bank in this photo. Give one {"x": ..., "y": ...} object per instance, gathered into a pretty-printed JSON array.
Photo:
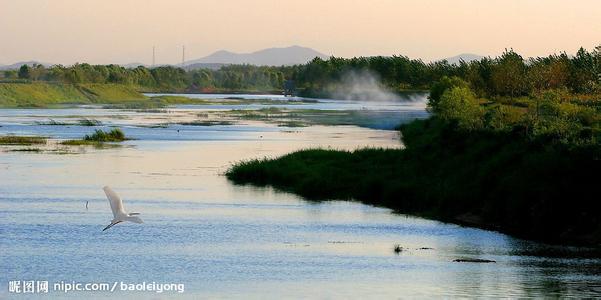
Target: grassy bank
[
  {"x": 496, "y": 180},
  {"x": 38, "y": 94}
]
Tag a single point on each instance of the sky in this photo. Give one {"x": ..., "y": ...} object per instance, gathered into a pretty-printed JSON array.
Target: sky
[{"x": 124, "y": 31}]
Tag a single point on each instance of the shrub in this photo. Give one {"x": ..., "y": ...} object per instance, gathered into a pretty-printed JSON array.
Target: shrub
[
  {"x": 438, "y": 89},
  {"x": 115, "y": 135},
  {"x": 460, "y": 104}
]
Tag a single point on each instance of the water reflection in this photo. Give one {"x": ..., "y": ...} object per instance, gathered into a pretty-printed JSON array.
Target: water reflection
[{"x": 222, "y": 240}]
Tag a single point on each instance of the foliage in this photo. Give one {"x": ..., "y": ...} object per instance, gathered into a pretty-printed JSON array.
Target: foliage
[
  {"x": 115, "y": 135},
  {"x": 460, "y": 104},
  {"x": 438, "y": 88},
  {"x": 512, "y": 145},
  {"x": 483, "y": 178},
  {"x": 508, "y": 75}
]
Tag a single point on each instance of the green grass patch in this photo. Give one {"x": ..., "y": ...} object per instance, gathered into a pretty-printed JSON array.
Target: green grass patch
[
  {"x": 292, "y": 124},
  {"x": 207, "y": 123},
  {"x": 89, "y": 122},
  {"x": 39, "y": 94},
  {"x": 110, "y": 93},
  {"x": 22, "y": 140},
  {"x": 52, "y": 122},
  {"x": 114, "y": 135},
  {"x": 98, "y": 138},
  {"x": 44, "y": 94},
  {"x": 80, "y": 143}
]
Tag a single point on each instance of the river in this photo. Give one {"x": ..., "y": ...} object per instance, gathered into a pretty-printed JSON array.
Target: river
[{"x": 225, "y": 241}]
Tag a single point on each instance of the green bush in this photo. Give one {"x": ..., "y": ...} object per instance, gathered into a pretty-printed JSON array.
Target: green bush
[
  {"x": 440, "y": 87},
  {"x": 115, "y": 135},
  {"x": 460, "y": 104}
]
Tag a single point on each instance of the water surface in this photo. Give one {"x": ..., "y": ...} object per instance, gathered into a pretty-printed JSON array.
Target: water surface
[{"x": 228, "y": 241}]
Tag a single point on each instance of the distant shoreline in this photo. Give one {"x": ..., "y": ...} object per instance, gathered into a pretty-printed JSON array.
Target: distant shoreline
[{"x": 42, "y": 94}]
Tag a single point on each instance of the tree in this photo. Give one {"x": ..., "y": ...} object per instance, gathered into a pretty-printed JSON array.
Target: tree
[
  {"x": 36, "y": 72},
  {"x": 24, "y": 72},
  {"x": 460, "y": 104},
  {"x": 438, "y": 89},
  {"x": 10, "y": 74},
  {"x": 582, "y": 75},
  {"x": 509, "y": 74}
]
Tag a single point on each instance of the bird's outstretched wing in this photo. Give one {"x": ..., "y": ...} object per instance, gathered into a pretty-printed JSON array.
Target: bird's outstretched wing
[{"x": 114, "y": 201}]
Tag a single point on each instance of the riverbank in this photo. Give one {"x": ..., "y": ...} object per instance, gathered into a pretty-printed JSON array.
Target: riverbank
[
  {"x": 43, "y": 94},
  {"x": 493, "y": 180}
]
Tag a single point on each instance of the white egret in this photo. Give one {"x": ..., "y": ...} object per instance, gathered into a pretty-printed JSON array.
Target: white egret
[{"x": 119, "y": 214}]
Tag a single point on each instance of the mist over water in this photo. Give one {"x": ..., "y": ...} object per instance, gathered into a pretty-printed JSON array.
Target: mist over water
[{"x": 364, "y": 85}]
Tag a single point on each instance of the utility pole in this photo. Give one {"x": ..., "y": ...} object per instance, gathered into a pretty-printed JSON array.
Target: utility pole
[
  {"x": 153, "y": 62},
  {"x": 183, "y": 55}
]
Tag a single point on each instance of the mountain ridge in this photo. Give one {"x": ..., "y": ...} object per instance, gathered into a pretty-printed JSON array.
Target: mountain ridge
[
  {"x": 277, "y": 56},
  {"x": 467, "y": 57}
]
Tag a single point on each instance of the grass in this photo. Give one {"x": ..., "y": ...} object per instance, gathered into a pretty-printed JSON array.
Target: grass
[
  {"x": 153, "y": 103},
  {"x": 167, "y": 100},
  {"x": 22, "y": 140},
  {"x": 89, "y": 122},
  {"x": 110, "y": 93},
  {"x": 207, "y": 123},
  {"x": 39, "y": 94},
  {"x": 114, "y": 135},
  {"x": 305, "y": 117},
  {"x": 52, "y": 122},
  {"x": 98, "y": 138},
  {"x": 43, "y": 94},
  {"x": 292, "y": 123},
  {"x": 37, "y": 150},
  {"x": 79, "y": 143},
  {"x": 494, "y": 180},
  {"x": 82, "y": 122}
]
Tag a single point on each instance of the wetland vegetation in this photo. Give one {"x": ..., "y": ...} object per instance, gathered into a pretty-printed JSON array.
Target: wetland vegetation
[
  {"x": 22, "y": 140},
  {"x": 99, "y": 137},
  {"x": 512, "y": 145}
]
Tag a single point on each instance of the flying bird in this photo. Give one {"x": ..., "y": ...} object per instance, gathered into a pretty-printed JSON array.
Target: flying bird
[{"x": 119, "y": 214}]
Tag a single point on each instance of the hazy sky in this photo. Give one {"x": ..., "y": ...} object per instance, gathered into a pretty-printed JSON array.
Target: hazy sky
[{"x": 123, "y": 31}]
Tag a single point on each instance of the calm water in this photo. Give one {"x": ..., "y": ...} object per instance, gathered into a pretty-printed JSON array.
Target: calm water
[{"x": 227, "y": 241}]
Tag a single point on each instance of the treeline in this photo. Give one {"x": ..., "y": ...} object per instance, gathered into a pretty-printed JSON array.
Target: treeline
[
  {"x": 508, "y": 75},
  {"x": 163, "y": 78},
  {"x": 549, "y": 116}
]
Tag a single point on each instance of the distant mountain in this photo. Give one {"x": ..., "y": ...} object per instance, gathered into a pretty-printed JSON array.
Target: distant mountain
[
  {"x": 211, "y": 66},
  {"x": 133, "y": 65},
  {"x": 266, "y": 57},
  {"x": 467, "y": 57},
  {"x": 19, "y": 64}
]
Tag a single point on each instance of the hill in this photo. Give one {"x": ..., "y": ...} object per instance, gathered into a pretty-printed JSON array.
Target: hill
[
  {"x": 467, "y": 57},
  {"x": 266, "y": 57}
]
